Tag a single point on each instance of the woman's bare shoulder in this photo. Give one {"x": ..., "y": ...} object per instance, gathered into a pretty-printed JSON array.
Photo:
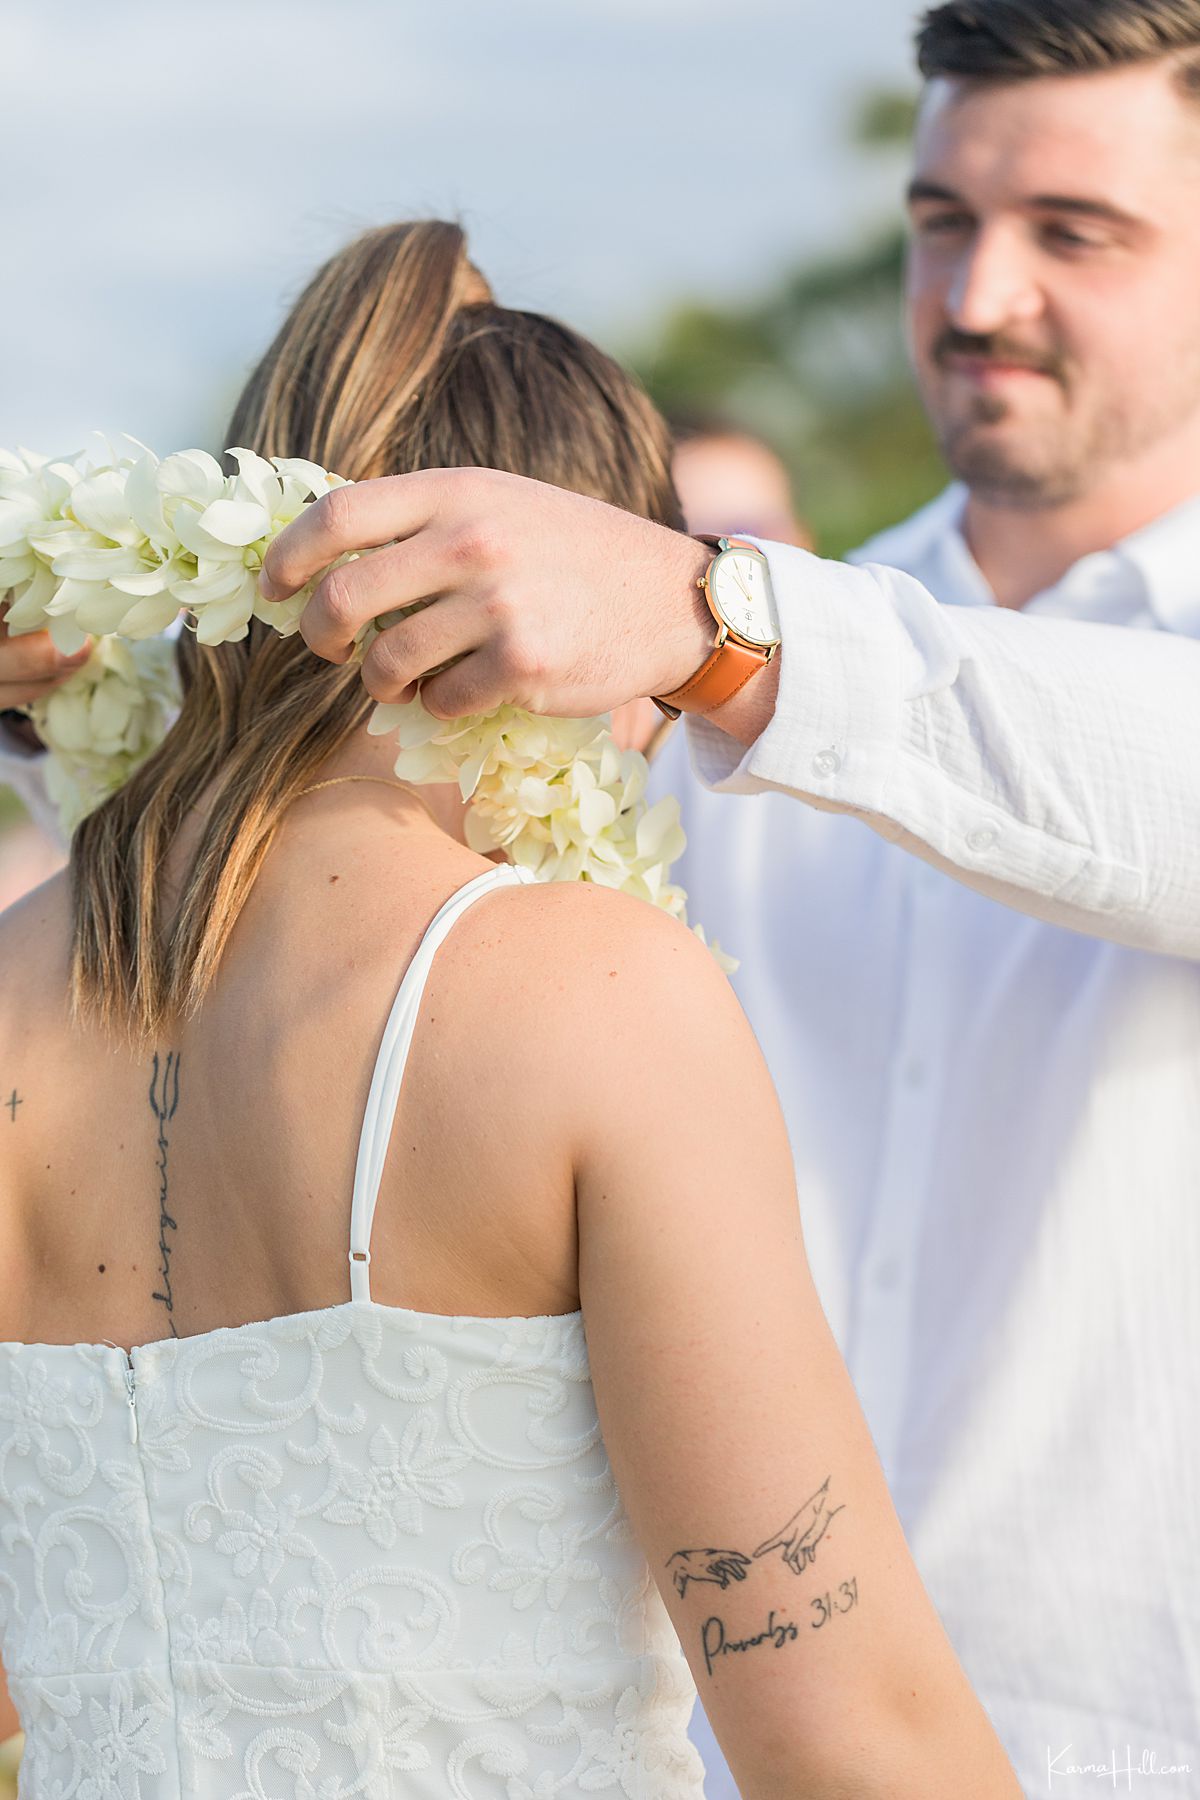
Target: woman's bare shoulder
[
  {"x": 575, "y": 962},
  {"x": 580, "y": 935}
]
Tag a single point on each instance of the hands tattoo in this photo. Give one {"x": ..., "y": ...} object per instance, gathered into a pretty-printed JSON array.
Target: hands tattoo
[
  {"x": 796, "y": 1542},
  {"x": 721, "y": 1566}
]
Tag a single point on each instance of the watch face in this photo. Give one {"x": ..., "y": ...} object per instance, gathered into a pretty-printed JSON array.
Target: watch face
[{"x": 740, "y": 584}]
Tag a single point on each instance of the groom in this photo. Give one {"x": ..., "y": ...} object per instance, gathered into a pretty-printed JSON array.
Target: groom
[{"x": 970, "y": 952}]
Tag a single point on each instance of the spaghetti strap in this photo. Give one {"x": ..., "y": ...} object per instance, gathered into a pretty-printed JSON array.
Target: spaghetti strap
[{"x": 384, "y": 1095}]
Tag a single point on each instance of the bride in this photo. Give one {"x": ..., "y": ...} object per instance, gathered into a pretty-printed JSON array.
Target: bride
[{"x": 408, "y": 1468}]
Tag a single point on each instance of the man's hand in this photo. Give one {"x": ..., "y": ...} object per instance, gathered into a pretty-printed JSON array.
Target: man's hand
[
  {"x": 551, "y": 601},
  {"x": 31, "y": 668}
]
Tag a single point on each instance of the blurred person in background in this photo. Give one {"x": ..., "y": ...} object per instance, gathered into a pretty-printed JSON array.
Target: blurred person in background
[
  {"x": 971, "y": 954},
  {"x": 731, "y": 480}
]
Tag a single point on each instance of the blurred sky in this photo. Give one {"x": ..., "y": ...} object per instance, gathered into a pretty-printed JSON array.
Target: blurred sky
[{"x": 176, "y": 171}]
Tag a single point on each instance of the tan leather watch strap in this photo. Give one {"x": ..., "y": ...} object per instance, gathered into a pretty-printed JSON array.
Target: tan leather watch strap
[
  {"x": 717, "y": 679},
  {"x": 722, "y": 674}
]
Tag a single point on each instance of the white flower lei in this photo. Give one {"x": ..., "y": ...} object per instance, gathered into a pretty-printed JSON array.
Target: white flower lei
[{"x": 116, "y": 552}]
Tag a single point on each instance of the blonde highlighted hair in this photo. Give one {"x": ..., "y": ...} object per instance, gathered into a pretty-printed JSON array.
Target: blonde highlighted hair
[{"x": 395, "y": 357}]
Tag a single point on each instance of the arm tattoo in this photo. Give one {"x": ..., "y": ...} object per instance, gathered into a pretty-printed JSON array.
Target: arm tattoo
[
  {"x": 796, "y": 1543},
  {"x": 798, "y": 1540},
  {"x": 164, "y": 1099},
  {"x": 14, "y": 1100},
  {"x": 721, "y": 1566},
  {"x": 716, "y": 1642}
]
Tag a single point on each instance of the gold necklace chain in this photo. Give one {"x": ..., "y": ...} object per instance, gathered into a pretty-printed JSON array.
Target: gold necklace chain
[{"x": 400, "y": 787}]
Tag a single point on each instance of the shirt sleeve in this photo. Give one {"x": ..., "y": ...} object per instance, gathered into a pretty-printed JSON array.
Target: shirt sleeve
[
  {"x": 25, "y": 774},
  {"x": 1053, "y": 765}
]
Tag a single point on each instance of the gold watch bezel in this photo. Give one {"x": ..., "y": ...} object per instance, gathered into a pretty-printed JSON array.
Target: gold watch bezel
[{"x": 725, "y": 630}]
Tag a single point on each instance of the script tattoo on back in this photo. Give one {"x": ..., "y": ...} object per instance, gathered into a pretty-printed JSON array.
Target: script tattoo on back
[{"x": 164, "y": 1101}]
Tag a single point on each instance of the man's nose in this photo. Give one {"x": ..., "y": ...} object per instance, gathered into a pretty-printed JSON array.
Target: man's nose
[{"x": 993, "y": 284}]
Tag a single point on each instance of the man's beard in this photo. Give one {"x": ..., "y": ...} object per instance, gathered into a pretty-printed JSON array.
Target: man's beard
[
  {"x": 1023, "y": 474},
  {"x": 1047, "y": 463},
  {"x": 1016, "y": 473}
]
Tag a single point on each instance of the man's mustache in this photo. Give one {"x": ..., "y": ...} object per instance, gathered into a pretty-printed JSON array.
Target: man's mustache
[{"x": 994, "y": 347}]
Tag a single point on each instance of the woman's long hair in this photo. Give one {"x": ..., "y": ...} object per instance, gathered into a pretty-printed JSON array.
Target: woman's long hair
[{"x": 394, "y": 358}]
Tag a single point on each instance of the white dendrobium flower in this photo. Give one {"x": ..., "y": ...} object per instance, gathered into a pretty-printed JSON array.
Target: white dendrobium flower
[
  {"x": 34, "y": 495},
  {"x": 556, "y": 795},
  {"x": 89, "y": 565},
  {"x": 102, "y": 723},
  {"x": 226, "y": 524},
  {"x": 120, "y": 550},
  {"x": 467, "y": 749}
]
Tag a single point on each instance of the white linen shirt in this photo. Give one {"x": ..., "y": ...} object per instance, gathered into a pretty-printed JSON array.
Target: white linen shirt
[{"x": 995, "y": 1118}]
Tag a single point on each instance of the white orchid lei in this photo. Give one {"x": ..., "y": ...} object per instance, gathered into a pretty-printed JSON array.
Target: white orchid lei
[{"x": 116, "y": 552}]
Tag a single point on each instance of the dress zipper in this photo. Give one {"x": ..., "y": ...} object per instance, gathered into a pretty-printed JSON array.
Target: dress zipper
[{"x": 129, "y": 1394}]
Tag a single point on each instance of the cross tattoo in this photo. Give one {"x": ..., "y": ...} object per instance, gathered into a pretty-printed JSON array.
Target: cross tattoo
[{"x": 14, "y": 1100}]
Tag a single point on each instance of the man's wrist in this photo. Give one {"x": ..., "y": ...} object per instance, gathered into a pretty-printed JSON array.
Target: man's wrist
[
  {"x": 750, "y": 681},
  {"x": 695, "y": 631},
  {"x": 746, "y": 716}
]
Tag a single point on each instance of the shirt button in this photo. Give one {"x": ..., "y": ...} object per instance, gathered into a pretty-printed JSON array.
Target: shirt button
[
  {"x": 826, "y": 762},
  {"x": 887, "y": 1273},
  {"x": 983, "y": 839}
]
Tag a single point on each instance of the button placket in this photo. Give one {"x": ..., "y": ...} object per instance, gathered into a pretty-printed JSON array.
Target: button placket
[{"x": 880, "y": 1347}]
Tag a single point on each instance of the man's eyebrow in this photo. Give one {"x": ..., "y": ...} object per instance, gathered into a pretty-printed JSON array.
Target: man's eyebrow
[
  {"x": 921, "y": 189},
  {"x": 1085, "y": 209}
]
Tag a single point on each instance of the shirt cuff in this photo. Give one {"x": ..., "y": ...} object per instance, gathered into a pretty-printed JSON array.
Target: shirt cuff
[{"x": 845, "y": 663}]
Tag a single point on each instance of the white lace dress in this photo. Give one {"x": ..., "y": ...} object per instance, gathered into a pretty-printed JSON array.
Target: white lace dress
[{"x": 359, "y": 1551}]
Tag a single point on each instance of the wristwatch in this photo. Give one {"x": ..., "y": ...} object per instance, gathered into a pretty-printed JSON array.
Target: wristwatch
[{"x": 737, "y": 587}]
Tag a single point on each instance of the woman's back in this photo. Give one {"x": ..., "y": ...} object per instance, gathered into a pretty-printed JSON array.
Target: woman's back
[
  {"x": 267, "y": 1090},
  {"x": 357, "y": 1545}
]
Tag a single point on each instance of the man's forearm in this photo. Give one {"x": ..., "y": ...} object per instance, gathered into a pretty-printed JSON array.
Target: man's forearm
[
  {"x": 746, "y": 716},
  {"x": 1052, "y": 765}
]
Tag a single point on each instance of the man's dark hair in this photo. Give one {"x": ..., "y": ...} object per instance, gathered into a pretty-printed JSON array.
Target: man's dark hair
[{"x": 1017, "y": 40}]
